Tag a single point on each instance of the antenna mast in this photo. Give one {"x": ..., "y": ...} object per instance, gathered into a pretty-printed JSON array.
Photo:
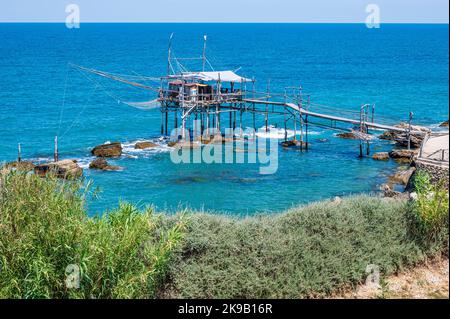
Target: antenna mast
[
  {"x": 204, "y": 52},
  {"x": 169, "y": 54}
]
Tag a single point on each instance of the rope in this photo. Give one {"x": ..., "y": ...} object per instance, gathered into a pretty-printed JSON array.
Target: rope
[{"x": 64, "y": 101}]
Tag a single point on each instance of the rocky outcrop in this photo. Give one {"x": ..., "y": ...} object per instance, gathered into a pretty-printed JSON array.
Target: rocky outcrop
[
  {"x": 401, "y": 154},
  {"x": 401, "y": 138},
  {"x": 381, "y": 156},
  {"x": 388, "y": 135},
  {"x": 415, "y": 140},
  {"x": 402, "y": 177},
  {"x": 444, "y": 124},
  {"x": 347, "y": 135},
  {"x": 102, "y": 164},
  {"x": 144, "y": 145},
  {"x": 184, "y": 144},
  {"x": 67, "y": 169},
  {"x": 108, "y": 150},
  {"x": 24, "y": 166},
  {"x": 388, "y": 191},
  {"x": 293, "y": 143}
]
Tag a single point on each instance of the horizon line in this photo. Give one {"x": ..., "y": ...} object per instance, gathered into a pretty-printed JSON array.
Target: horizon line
[{"x": 229, "y": 22}]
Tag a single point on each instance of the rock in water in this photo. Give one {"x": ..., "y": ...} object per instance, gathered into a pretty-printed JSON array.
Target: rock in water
[
  {"x": 99, "y": 163},
  {"x": 381, "y": 156},
  {"x": 418, "y": 128},
  {"x": 102, "y": 164},
  {"x": 293, "y": 143},
  {"x": 388, "y": 135},
  {"x": 347, "y": 135},
  {"x": 108, "y": 150},
  {"x": 402, "y": 154},
  {"x": 67, "y": 169},
  {"x": 144, "y": 145},
  {"x": 402, "y": 177},
  {"x": 444, "y": 124}
]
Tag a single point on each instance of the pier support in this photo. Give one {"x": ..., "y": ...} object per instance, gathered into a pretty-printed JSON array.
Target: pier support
[
  {"x": 19, "y": 153},
  {"x": 56, "y": 157},
  {"x": 301, "y": 130},
  {"x": 166, "y": 121},
  {"x": 306, "y": 127}
]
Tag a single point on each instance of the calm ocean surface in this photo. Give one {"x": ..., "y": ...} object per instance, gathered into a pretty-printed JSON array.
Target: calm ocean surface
[{"x": 401, "y": 68}]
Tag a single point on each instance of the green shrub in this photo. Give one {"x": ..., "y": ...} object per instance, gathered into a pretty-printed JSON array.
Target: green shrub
[
  {"x": 431, "y": 209},
  {"x": 44, "y": 229},
  {"x": 311, "y": 251}
]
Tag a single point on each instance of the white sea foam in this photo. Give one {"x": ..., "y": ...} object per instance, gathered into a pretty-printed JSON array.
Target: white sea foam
[
  {"x": 83, "y": 162},
  {"x": 161, "y": 142},
  {"x": 275, "y": 133}
]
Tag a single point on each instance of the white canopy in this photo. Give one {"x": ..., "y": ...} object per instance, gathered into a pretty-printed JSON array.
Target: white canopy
[{"x": 224, "y": 76}]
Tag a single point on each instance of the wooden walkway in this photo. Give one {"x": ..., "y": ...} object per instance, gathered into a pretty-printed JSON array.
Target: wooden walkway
[{"x": 333, "y": 117}]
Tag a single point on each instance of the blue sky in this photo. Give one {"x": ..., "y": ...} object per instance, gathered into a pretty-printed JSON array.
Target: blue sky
[{"x": 420, "y": 11}]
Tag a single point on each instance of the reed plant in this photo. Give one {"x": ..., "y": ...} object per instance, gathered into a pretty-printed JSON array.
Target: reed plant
[
  {"x": 50, "y": 248},
  {"x": 430, "y": 210}
]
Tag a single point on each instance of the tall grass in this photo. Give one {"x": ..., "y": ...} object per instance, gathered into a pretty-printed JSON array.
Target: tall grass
[{"x": 44, "y": 229}]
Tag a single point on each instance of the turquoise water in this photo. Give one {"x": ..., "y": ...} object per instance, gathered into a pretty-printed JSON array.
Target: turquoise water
[{"x": 401, "y": 68}]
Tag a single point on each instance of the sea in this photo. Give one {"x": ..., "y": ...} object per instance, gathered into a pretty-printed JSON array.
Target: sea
[{"x": 400, "y": 68}]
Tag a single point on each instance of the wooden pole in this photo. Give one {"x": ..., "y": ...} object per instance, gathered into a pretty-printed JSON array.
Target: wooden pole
[
  {"x": 301, "y": 129},
  {"x": 254, "y": 108},
  {"x": 176, "y": 122},
  {"x": 267, "y": 120},
  {"x": 162, "y": 122},
  {"x": 360, "y": 130},
  {"x": 240, "y": 121},
  {"x": 306, "y": 126},
  {"x": 409, "y": 130},
  {"x": 204, "y": 52},
  {"x": 169, "y": 54},
  {"x": 19, "y": 153},
  {"x": 207, "y": 123},
  {"x": 56, "y": 149},
  {"x": 202, "y": 124},
  {"x": 234, "y": 118},
  {"x": 295, "y": 127},
  {"x": 167, "y": 121}
]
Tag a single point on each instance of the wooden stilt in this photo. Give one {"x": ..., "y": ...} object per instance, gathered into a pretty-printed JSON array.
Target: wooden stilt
[
  {"x": 234, "y": 120},
  {"x": 306, "y": 130},
  {"x": 202, "y": 124},
  {"x": 56, "y": 157},
  {"x": 301, "y": 130},
  {"x": 162, "y": 122},
  {"x": 176, "y": 122},
  {"x": 207, "y": 124},
  {"x": 295, "y": 127},
  {"x": 267, "y": 120},
  {"x": 19, "y": 153},
  {"x": 167, "y": 122},
  {"x": 240, "y": 121}
]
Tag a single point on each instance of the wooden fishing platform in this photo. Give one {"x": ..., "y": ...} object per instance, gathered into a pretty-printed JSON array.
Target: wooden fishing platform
[{"x": 206, "y": 96}]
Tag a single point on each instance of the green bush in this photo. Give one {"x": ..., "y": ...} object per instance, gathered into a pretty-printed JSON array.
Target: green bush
[
  {"x": 44, "y": 229},
  {"x": 311, "y": 251},
  {"x": 431, "y": 209}
]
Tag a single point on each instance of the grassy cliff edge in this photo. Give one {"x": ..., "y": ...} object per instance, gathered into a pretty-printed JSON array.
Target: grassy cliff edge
[{"x": 50, "y": 248}]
